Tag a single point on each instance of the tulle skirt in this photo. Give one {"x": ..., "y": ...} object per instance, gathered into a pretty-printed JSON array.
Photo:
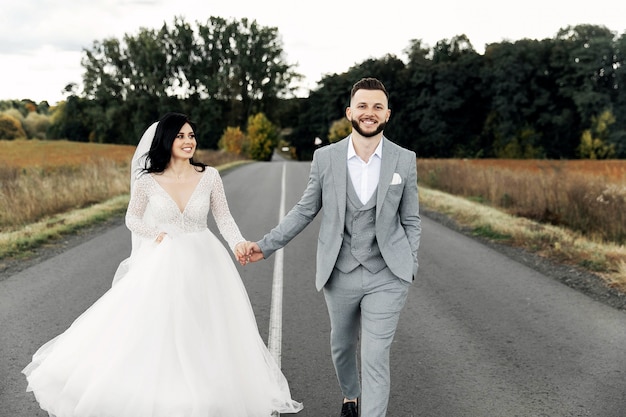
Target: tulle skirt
[{"x": 175, "y": 337}]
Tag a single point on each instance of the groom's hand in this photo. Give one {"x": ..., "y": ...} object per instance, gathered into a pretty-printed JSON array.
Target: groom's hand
[{"x": 254, "y": 252}]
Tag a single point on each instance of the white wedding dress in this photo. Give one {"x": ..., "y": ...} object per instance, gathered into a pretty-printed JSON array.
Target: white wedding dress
[{"x": 175, "y": 336}]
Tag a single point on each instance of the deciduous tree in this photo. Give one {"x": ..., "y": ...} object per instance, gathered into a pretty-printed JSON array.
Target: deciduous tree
[{"x": 262, "y": 137}]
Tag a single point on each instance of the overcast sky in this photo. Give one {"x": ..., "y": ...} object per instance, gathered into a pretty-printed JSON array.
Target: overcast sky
[{"x": 41, "y": 40}]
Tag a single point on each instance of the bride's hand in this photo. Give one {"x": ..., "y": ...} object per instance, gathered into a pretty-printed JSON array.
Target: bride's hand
[
  {"x": 241, "y": 252},
  {"x": 160, "y": 237}
]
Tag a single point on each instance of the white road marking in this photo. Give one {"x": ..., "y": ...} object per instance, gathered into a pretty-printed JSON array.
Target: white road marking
[{"x": 276, "y": 311}]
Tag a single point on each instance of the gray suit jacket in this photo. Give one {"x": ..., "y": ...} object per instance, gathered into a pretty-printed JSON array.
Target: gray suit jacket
[{"x": 398, "y": 223}]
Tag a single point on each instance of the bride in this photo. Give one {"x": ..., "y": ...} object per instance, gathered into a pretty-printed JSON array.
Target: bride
[{"x": 175, "y": 336}]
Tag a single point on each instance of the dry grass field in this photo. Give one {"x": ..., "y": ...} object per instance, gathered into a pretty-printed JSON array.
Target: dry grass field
[
  {"x": 42, "y": 178},
  {"x": 54, "y": 154},
  {"x": 45, "y": 178},
  {"x": 584, "y": 195}
]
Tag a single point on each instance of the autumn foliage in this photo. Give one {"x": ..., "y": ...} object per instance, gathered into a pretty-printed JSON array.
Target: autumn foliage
[
  {"x": 11, "y": 128},
  {"x": 233, "y": 140},
  {"x": 258, "y": 143},
  {"x": 262, "y": 137}
]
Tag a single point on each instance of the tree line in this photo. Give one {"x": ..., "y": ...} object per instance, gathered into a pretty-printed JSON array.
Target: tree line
[
  {"x": 557, "y": 98},
  {"x": 561, "y": 98}
]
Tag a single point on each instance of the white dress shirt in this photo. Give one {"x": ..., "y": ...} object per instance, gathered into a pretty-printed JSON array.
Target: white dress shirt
[{"x": 364, "y": 175}]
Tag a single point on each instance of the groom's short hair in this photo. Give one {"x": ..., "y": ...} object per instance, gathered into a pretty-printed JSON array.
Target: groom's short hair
[{"x": 369, "y": 83}]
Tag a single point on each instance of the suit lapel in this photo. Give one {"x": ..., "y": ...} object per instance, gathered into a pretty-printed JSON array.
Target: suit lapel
[
  {"x": 339, "y": 166},
  {"x": 387, "y": 168}
]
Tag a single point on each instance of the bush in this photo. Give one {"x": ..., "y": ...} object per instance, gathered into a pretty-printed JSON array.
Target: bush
[
  {"x": 339, "y": 129},
  {"x": 36, "y": 125},
  {"x": 10, "y": 127},
  {"x": 233, "y": 141},
  {"x": 262, "y": 137}
]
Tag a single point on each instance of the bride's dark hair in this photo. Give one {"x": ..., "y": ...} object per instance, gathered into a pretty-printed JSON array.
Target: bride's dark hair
[{"x": 160, "y": 151}]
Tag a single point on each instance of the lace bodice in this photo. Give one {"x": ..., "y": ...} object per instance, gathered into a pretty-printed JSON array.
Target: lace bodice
[{"x": 151, "y": 209}]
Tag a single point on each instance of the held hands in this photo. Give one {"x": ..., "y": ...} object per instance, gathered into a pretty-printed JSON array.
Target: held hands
[
  {"x": 254, "y": 252},
  {"x": 248, "y": 252}
]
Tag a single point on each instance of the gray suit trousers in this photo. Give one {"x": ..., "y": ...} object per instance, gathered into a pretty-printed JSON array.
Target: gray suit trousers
[{"x": 369, "y": 305}]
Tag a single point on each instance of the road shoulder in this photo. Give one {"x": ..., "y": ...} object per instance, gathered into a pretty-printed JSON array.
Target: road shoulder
[{"x": 12, "y": 266}]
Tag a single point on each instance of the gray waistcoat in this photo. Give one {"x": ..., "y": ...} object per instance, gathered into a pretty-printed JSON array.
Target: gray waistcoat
[{"x": 359, "y": 245}]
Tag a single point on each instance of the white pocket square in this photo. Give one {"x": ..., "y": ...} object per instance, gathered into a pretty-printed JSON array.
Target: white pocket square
[{"x": 396, "y": 179}]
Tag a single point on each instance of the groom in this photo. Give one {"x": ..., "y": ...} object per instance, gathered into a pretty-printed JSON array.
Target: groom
[{"x": 367, "y": 245}]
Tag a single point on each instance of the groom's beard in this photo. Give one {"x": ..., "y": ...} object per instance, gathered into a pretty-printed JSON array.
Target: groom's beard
[{"x": 380, "y": 128}]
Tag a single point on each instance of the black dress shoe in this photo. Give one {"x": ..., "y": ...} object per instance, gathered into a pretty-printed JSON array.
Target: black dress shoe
[{"x": 349, "y": 409}]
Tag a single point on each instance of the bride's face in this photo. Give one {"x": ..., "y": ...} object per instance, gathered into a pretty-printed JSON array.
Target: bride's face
[{"x": 184, "y": 144}]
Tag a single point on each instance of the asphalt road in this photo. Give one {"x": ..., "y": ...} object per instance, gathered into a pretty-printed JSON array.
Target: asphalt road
[{"x": 481, "y": 336}]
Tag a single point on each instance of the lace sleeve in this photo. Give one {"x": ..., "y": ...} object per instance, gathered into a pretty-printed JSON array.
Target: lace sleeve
[
  {"x": 221, "y": 213},
  {"x": 136, "y": 209}
]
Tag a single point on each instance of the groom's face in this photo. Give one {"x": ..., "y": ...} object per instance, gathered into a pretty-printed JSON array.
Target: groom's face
[{"x": 368, "y": 112}]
